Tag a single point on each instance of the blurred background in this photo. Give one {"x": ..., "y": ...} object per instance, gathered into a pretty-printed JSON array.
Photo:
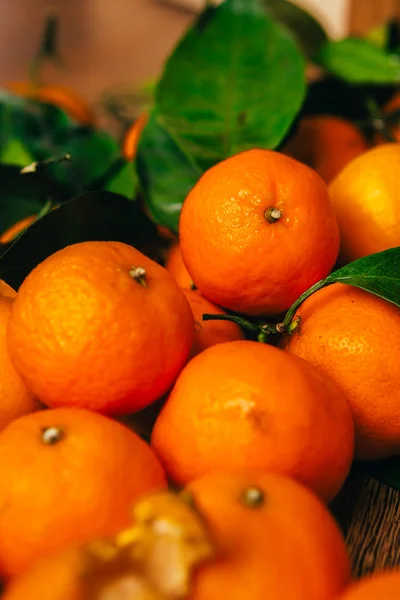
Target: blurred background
[{"x": 113, "y": 42}]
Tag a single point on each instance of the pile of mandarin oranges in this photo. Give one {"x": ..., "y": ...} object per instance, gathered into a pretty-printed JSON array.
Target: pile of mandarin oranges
[{"x": 149, "y": 453}]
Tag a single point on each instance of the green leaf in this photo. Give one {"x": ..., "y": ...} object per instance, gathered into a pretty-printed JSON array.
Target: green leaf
[
  {"x": 358, "y": 61},
  {"x": 15, "y": 153},
  {"x": 92, "y": 154},
  {"x": 24, "y": 195},
  {"x": 166, "y": 173},
  {"x": 308, "y": 32},
  {"x": 378, "y": 273},
  {"x": 124, "y": 181},
  {"x": 95, "y": 216},
  {"x": 235, "y": 81}
]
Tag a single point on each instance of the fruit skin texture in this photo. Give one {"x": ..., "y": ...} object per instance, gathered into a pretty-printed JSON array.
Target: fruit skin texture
[
  {"x": 75, "y": 489},
  {"x": 326, "y": 144},
  {"x": 244, "y": 405},
  {"x": 209, "y": 333},
  {"x": 85, "y": 333},
  {"x": 291, "y": 529},
  {"x": 352, "y": 337},
  {"x": 254, "y": 547},
  {"x": 7, "y": 290},
  {"x": 176, "y": 267},
  {"x": 380, "y": 586},
  {"x": 366, "y": 198},
  {"x": 60, "y": 96},
  {"x": 239, "y": 260},
  {"x": 15, "y": 398},
  {"x": 15, "y": 230}
]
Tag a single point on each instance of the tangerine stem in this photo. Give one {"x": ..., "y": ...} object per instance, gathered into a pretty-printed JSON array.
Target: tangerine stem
[
  {"x": 234, "y": 319},
  {"x": 272, "y": 214},
  {"x": 285, "y": 325}
]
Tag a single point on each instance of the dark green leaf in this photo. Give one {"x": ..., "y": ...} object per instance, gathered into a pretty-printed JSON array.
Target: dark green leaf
[
  {"x": 92, "y": 154},
  {"x": 378, "y": 273},
  {"x": 235, "y": 81},
  {"x": 358, "y": 61},
  {"x": 97, "y": 216},
  {"x": 166, "y": 173},
  {"x": 308, "y": 32},
  {"x": 23, "y": 195}
]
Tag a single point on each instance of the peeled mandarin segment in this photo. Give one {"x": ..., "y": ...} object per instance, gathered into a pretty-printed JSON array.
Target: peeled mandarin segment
[
  {"x": 352, "y": 337},
  {"x": 256, "y": 231}
]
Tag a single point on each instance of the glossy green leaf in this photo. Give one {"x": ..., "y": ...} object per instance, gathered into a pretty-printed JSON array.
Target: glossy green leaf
[
  {"x": 378, "y": 273},
  {"x": 308, "y": 32},
  {"x": 23, "y": 195},
  {"x": 96, "y": 216},
  {"x": 166, "y": 173},
  {"x": 358, "y": 61},
  {"x": 235, "y": 81}
]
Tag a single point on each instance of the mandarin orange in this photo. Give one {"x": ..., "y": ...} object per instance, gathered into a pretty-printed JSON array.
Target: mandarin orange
[
  {"x": 256, "y": 231},
  {"x": 243, "y": 404}
]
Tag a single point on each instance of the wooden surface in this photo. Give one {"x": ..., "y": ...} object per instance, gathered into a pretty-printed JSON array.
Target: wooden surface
[{"x": 369, "y": 514}]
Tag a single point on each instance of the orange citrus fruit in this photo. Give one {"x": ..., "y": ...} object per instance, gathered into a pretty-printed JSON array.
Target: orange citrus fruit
[
  {"x": 264, "y": 525},
  {"x": 7, "y": 290},
  {"x": 60, "y": 96},
  {"x": 326, "y": 144},
  {"x": 365, "y": 197},
  {"x": 244, "y": 405},
  {"x": 379, "y": 586},
  {"x": 132, "y": 136},
  {"x": 227, "y": 536},
  {"x": 99, "y": 325},
  {"x": 176, "y": 267},
  {"x": 208, "y": 333},
  {"x": 352, "y": 337},
  {"x": 15, "y": 230},
  {"x": 256, "y": 231},
  {"x": 67, "y": 475},
  {"x": 15, "y": 398}
]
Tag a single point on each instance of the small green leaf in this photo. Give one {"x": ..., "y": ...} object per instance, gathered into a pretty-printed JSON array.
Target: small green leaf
[
  {"x": 95, "y": 216},
  {"x": 235, "y": 81},
  {"x": 308, "y": 32},
  {"x": 378, "y": 273},
  {"x": 15, "y": 153},
  {"x": 166, "y": 173},
  {"x": 358, "y": 61}
]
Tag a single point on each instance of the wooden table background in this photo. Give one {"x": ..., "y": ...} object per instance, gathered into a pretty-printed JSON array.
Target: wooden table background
[{"x": 107, "y": 43}]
